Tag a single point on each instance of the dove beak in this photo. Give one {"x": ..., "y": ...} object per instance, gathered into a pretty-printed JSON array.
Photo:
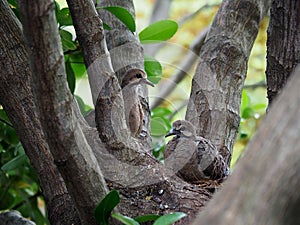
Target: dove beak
[
  {"x": 146, "y": 81},
  {"x": 172, "y": 132}
]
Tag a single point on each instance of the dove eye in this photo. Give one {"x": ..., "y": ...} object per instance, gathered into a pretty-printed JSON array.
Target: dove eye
[{"x": 139, "y": 75}]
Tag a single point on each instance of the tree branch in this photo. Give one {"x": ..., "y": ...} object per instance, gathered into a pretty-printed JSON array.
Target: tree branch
[
  {"x": 92, "y": 41},
  {"x": 283, "y": 42},
  {"x": 214, "y": 104},
  {"x": 17, "y": 100},
  {"x": 126, "y": 53},
  {"x": 182, "y": 71},
  {"x": 275, "y": 151},
  {"x": 72, "y": 155}
]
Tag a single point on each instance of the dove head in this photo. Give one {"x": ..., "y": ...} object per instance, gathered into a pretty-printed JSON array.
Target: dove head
[
  {"x": 135, "y": 77},
  {"x": 182, "y": 128}
]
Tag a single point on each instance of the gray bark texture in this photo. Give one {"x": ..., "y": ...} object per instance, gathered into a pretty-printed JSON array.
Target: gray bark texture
[
  {"x": 214, "y": 103},
  {"x": 283, "y": 43},
  {"x": 264, "y": 187},
  {"x": 17, "y": 100},
  {"x": 72, "y": 155}
]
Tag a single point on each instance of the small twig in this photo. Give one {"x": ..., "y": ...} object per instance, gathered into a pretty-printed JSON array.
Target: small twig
[
  {"x": 183, "y": 104},
  {"x": 184, "y": 67},
  {"x": 256, "y": 85},
  {"x": 192, "y": 15}
]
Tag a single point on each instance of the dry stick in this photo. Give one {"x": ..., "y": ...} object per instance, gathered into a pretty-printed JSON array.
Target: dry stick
[
  {"x": 192, "y": 15},
  {"x": 180, "y": 107},
  {"x": 256, "y": 85},
  {"x": 185, "y": 66}
]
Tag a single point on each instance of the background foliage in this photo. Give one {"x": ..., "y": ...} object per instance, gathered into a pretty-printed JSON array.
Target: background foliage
[{"x": 18, "y": 183}]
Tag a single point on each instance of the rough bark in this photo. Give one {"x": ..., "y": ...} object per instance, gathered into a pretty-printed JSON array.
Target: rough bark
[
  {"x": 100, "y": 72},
  {"x": 283, "y": 44},
  {"x": 92, "y": 42},
  {"x": 126, "y": 53},
  {"x": 72, "y": 155},
  {"x": 217, "y": 85},
  {"x": 17, "y": 100},
  {"x": 266, "y": 192}
]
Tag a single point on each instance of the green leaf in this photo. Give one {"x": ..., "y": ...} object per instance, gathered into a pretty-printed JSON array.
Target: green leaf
[
  {"x": 146, "y": 218},
  {"x": 123, "y": 15},
  {"x": 160, "y": 112},
  {"x": 70, "y": 77},
  {"x": 77, "y": 64},
  {"x": 81, "y": 105},
  {"x": 125, "y": 219},
  {"x": 169, "y": 218},
  {"x": 7, "y": 199},
  {"x": 106, "y": 27},
  {"x": 248, "y": 113},
  {"x": 64, "y": 18},
  {"x": 106, "y": 206},
  {"x": 1, "y": 148},
  {"x": 14, "y": 6},
  {"x": 153, "y": 69},
  {"x": 243, "y": 135},
  {"x": 79, "y": 69},
  {"x": 4, "y": 116},
  {"x": 14, "y": 163},
  {"x": 159, "y": 126},
  {"x": 66, "y": 40},
  {"x": 159, "y": 31},
  {"x": 76, "y": 57},
  {"x": 245, "y": 101},
  {"x": 57, "y": 7}
]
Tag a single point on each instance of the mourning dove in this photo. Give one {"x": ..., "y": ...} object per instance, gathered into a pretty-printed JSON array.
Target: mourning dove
[
  {"x": 191, "y": 157},
  {"x": 133, "y": 109}
]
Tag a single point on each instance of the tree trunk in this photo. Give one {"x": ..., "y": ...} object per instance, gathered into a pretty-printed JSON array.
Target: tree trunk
[
  {"x": 214, "y": 104},
  {"x": 283, "y": 44},
  {"x": 264, "y": 187},
  {"x": 17, "y": 100},
  {"x": 60, "y": 122}
]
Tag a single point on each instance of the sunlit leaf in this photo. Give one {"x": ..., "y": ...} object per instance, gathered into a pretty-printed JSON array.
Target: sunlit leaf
[
  {"x": 245, "y": 102},
  {"x": 159, "y": 31},
  {"x": 146, "y": 218},
  {"x": 160, "y": 112},
  {"x": 124, "y": 219},
  {"x": 248, "y": 113},
  {"x": 159, "y": 126},
  {"x": 153, "y": 69},
  {"x": 169, "y": 218}
]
